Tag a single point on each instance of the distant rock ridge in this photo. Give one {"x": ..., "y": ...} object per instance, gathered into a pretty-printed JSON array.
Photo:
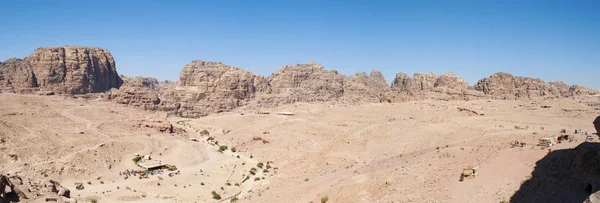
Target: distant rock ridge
[
  {"x": 210, "y": 87},
  {"x": 206, "y": 87},
  {"x": 63, "y": 70}
]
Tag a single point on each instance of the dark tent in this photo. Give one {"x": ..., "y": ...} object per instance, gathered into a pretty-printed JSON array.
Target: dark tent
[{"x": 597, "y": 125}]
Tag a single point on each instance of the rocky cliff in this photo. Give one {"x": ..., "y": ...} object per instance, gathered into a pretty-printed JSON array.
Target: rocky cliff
[
  {"x": 209, "y": 87},
  {"x": 137, "y": 91},
  {"x": 507, "y": 86},
  {"x": 69, "y": 70},
  {"x": 430, "y": 86}
]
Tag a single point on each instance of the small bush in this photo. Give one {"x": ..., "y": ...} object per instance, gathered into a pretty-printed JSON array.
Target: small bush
[
  {"x": 101, "y": 182},
  {"x": 256, "y": 179},
  {"x": 237, "y": 184},
  {"x": 216, "y": 195},
  {"x": 306, "y": 180},
  {"x": 234, "y": 199},
  {"x": 265, "y": 171},
  {"x": 202, "y": 183},
  {"x": 233, "y": 149},
  {"x": 252, "y": 172},
  {"x": 268, "y": 166},
  {"x": 259, "y": 165},
  {"x": 324, "y": 199},
  {"x": 137, "y": 159},
  {"x": 93, "y": 200},
  {"x": 222, "y": 148},
  {"x": 228, "y": 184}
]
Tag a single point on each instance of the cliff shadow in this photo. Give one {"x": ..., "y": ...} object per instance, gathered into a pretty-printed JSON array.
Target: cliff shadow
[{"x": 555, "y": 179}]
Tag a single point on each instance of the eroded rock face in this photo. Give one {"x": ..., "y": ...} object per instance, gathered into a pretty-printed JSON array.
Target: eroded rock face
[
  {"x": 361, "y": 88},
  {"x": 306, "y": 83},
  {"x": 137, "y": 91},
  {"x": 507, "y": 86},
  {"x": 64, "y": 70},
  {"x": 420, "y": 86},
  {"x": 210, "y": 87}
]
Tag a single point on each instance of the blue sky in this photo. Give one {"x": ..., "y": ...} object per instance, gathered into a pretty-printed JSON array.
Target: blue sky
[{"x": 551, "y": 40}]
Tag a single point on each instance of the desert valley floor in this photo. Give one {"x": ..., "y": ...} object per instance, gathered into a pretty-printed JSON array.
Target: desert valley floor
[{"x": 389, "y": 152}]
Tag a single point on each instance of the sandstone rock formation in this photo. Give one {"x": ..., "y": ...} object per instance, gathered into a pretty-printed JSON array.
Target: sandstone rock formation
[
  {"x": 361, "y": 88},
  {"x": 210, "y": 87},
  {"x": 420, "y": 86},
  {"x": 304, "y": 83},
  {"x": 69, "y": 70},
  {"x": 137, "y": 91},
  {"x": 507, "y": 86}
]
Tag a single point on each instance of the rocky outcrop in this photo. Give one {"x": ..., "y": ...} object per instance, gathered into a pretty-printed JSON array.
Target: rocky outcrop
[
  {"x": 137, "y": 91},
  {"x": 446, "y": 87},
  {"x": 362, "y": 88},
  {"x": 303, "y": 83},
  {"x": 64, "y": 70},
  {"x": 507, "y": 86},
  {"x": 210, "y": 87}
]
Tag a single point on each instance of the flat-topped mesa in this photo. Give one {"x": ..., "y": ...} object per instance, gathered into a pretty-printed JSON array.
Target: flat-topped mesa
[{"x": 63, "y": 70}]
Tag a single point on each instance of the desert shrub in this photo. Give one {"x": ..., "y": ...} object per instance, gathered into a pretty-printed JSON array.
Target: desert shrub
[
  {"x": 265, "y": 171},
  {"x": 256, "y": 179},
  {"x": 324, "y": 199},
  {"x": 268, "y": 166},
  {"x": 306, "y": 180},
  {"x": 216, "y": 195},
  {"x": 237, "y": 184},
  {"x": 222, "y": 148},
  {"x": 93, "y": 200},
  {"x": 259, "y": 165},
  {"x": 252, "y": 172},
  {"x": 228, "y": 184},
  {"x": 137, "y": 159},
  {"x": 234, "y": 199},
  {"x": 233, "y": 149}
]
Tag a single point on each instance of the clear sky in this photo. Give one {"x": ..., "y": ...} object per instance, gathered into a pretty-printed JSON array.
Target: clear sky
[{"x": 551, "y": 40}]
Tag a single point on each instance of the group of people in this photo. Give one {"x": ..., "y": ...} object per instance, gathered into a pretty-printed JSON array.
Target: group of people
[{"x": 140, "y": 173}]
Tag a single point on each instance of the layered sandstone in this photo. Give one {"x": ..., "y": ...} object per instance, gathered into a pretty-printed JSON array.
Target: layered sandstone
[
  {"x": 137, "y": 91},
  {"x": 68, "y": 70},
  {"x": 506, "y": 86},
  {"x": 210, "y": 87},
  {"x": 421, "y": 86}
]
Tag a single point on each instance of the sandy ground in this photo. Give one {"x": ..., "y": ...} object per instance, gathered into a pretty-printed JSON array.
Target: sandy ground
[{"x": 403, "y": 152}]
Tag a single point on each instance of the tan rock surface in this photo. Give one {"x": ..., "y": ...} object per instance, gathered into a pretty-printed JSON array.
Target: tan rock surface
[{"x": 68, "y": 70}]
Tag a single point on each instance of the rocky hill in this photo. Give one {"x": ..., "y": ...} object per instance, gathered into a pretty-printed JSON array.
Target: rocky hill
[
  {"x": 210, "y": 87},
  {"x": 68, "y": 70},
  {"x": 507, "y": 86}
]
